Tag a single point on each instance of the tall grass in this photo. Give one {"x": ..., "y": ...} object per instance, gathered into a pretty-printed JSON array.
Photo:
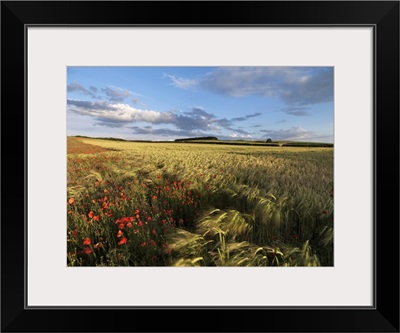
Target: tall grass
[{"x": 158, "y": 204}]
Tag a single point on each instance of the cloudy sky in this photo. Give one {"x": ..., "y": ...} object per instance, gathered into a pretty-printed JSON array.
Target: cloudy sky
[{"x": 166, "y": 103}]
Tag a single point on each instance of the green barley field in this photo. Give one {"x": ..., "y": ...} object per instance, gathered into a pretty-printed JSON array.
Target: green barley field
[{"x": 192, "y": 204}]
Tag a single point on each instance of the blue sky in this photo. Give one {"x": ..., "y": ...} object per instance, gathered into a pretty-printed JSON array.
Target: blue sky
[{"x": 167, "y": 103}]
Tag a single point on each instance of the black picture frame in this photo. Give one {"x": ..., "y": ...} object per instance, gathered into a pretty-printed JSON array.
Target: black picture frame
[{"x": 383, "y": 316}]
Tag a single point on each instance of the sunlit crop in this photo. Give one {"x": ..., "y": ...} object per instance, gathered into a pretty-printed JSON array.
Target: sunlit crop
[{"x": 187, "y": 204}]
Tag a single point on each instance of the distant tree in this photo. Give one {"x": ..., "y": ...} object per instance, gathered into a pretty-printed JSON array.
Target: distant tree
[
  {"x": 197, "y": 138},
  {"x": 269, "y": 140}
]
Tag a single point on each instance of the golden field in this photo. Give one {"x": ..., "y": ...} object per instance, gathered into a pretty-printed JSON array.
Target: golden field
[{"x": 188, "y": 204}]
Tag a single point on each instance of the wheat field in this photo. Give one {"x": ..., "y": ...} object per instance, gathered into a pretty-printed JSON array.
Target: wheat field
[{"x": 188, "y": 204}]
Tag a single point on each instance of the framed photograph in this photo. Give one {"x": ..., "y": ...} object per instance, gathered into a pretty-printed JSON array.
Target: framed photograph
[{"x": 181, "y": 161}]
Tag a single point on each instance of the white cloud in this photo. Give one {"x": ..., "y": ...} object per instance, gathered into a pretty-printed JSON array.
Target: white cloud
[
  {"x": 116, "y": 94},
  {"x": 76, "y": 87},
  {"x": 291, "y": 134},
  {"x": 240, "y": 136},
  {"x": 293, "y": 85},
  {"x": 118, "y": 112},
  {"x": 183, "y": 83}
]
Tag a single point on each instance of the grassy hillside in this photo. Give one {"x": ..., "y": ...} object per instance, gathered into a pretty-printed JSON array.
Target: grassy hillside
[{"x": 212, "y": 140}]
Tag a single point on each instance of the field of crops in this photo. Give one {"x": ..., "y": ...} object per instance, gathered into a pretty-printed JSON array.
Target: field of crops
[{"x": 188, "y": 204}]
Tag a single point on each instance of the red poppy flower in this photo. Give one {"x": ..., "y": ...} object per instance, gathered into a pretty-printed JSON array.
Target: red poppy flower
[
  {"x": 86, "y": 241},
  {"x": 71, "y": 201},
  {"x": 122, "y": 241},
  {"x": 149, "y": 218},
  {"x": 121, "y": 226},
  {"x": 129, "y": 225},
  {"x": 87, "y": 250},
  {"x": 96, "y": 218},
  {"x": 140, "y": 223},
  {"x": 91, "y": 214},
  {"x": 119, "y": 234}
]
